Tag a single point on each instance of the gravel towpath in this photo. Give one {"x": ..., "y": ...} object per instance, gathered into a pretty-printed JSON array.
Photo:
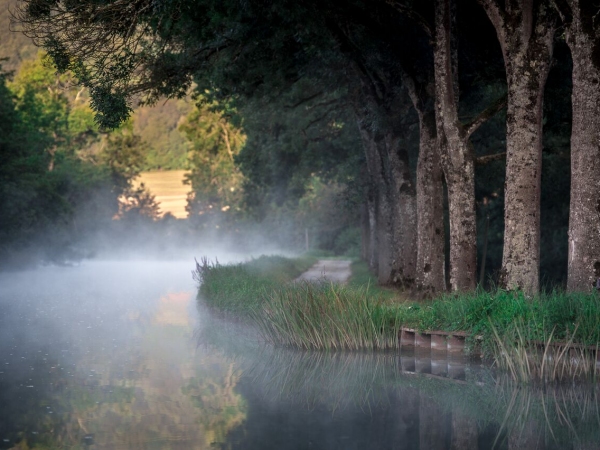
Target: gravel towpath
[{"x": 337, "y": 271}]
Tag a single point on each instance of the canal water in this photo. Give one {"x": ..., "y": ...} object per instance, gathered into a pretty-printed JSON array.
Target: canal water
[{"x": 121, "y": 355}]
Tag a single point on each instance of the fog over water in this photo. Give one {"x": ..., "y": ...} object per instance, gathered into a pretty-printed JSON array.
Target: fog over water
[{"x": 121, "y": 354}]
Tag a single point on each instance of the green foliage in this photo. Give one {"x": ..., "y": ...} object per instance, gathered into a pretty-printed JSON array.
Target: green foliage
[
  {"x": 158, "y": 126},
  {"x": 124, "y": 155},
  {"x": 58, "y": 180},
  {"x": 362, "y": 278},
  {"x": 215, "y": 179}
]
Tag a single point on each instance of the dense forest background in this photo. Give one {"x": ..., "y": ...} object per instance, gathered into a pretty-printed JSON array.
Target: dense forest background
[{"x": 274, "y": 142}]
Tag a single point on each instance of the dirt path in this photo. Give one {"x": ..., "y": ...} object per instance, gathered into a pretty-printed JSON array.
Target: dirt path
[{"x": 337, "y": 271}]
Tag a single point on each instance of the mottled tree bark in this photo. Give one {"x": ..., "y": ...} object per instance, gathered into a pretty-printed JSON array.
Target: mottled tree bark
[
  {"x": 405, "y": 216},
  {"x": 583, "y": 38},
  {"x": 431, "y": 277},
  {"x": 381, "y": 214},
  {"x": 456, "y": 155},
  {"x": 393, "y": 191},
  {"x": 525, "y": 30}
]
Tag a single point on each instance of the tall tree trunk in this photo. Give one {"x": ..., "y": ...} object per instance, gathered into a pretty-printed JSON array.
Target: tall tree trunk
[
  {"x": 394, "y": 195},
  {"x": 372, "y": 217},
  {"x": 385, "y": 231},
  {"x": 457, "y": 158},
  {"x": 583, "y": 38},
  {"x": 431, "y": 276},
  {"x": 404, "y": 268},
  {"x": 373, "y": 195},
  {"x": 383, "y": 212},
  {"x": 525, "y": 30}
]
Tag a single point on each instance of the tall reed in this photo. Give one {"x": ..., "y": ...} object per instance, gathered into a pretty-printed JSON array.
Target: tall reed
[
  {"x": 327, "y": 316},
  {"x": 546, "y": 361}
]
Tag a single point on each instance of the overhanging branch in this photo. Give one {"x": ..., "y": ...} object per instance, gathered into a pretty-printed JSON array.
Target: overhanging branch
[{"x": 485, "y": 115}]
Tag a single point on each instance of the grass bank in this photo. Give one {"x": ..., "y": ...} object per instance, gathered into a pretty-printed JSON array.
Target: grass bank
[
  {"x": 242, "y": 288},
  {"x": 362, "y": 315}
]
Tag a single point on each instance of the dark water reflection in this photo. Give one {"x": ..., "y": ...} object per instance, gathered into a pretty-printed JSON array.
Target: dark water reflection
[{"x": 120, "y": 356}]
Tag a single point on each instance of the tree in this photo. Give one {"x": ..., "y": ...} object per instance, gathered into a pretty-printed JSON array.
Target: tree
[
  {"x": 525, "y": 31},
  {"x": 583, "y": 38},
  {"x": 457, "y": 155},
  {"x": 215, "y": 179}
]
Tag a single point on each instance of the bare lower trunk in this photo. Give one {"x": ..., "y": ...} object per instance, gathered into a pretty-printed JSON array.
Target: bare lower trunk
[
  {"x": 364, "y": 228},
  {"x": 372, "y": 257},
  {"x": 392, "y": 218},
  {"x": 431, "y": 275},
  {"x": 404, "y": 215},
  {"x": 380, "y": 231},
  {"x": 525, "y": 31},
  {"x": 457, "y": 159},
  {"x": 584, "y": 216},
  {"x": 372, "y": 204},
  {"x": 385, "y": 241},
  {"x": 521, "y": 253}
]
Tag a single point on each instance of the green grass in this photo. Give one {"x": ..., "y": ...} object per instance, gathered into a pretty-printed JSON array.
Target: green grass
[
  {"x": 362, "y": 278},
  {"x": 327, "y": 316},
  {"x": 564, "y": 316},
  {"x": 242, "y": 288},
  {"x": 362, "y": 315}
]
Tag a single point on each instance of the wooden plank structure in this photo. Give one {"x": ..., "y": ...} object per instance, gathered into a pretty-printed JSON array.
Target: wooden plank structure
[{"x": 437, "y": 341}]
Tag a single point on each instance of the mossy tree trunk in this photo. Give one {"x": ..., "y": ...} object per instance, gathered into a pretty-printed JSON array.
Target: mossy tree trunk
[
  {"x": 405, "y": 215},
  {"x": 456, "y": 154},
  {"x": 393, "y": 230},
  {"x": 431, "y": 276},
  {"x": 525, "y": 30},
  {"x": 583, "y": 38}
]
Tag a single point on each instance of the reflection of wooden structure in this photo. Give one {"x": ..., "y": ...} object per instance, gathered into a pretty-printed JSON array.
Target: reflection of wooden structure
[
  {"x": 433, "y": 364},
  {"x": 443, "y": 341}
]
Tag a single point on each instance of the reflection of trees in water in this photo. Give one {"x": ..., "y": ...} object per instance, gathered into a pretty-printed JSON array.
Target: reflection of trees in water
[
  {"x": 339, "y": 379},
  {"x": 155, "y": 390},
  {"x": 182, "y": 397},
  {"x": 487, "y": 410},
  {"x": 223, "y": 408}
]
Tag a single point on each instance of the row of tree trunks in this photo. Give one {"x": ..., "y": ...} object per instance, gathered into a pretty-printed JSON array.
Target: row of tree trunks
[
  {"x": 583, "y": 38},
  {"x": 456, "y": 154},
  {"x": 404, "y": 268},
  {"x": 430, "y": 266},
  {"x": 525, "y": 31},
  {"x": 391, "y": 208}
]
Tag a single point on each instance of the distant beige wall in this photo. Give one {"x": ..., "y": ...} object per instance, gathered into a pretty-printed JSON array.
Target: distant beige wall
[{"x": 168, "y": 187}]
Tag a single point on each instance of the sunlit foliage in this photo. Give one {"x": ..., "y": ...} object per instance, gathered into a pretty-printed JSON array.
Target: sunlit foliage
[{"x": 215, "y": 179}]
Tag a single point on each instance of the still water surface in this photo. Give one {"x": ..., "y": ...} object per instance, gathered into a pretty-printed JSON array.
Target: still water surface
[{"x": 120, "y": 355}]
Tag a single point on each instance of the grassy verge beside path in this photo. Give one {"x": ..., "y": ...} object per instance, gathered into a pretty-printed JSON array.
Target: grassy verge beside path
[{"x": 362, "y": 315}]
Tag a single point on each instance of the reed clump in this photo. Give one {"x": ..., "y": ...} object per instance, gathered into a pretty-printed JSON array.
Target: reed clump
[
  {"x": 549, "y": 361},
  {"x": 327, "y": 316}
]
